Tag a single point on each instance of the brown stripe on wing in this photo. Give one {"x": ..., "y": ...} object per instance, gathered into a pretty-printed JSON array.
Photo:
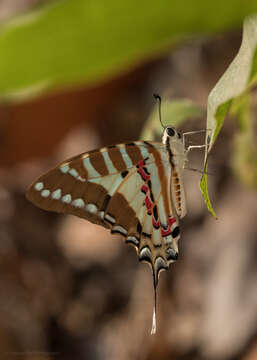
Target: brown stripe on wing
[
  {"x": 116, "y": 158},
  {"x": 78, "y": 165},
  {"x": 97, "y": 161},
  {"x": 134, "y": 153},
  {"x": 124, "y": 215}
]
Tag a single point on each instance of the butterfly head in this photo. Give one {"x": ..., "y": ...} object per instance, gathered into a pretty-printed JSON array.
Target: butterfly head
[{"x": 171, "y": 134}]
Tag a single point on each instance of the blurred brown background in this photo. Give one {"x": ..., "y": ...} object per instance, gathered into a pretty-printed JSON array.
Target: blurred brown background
[{"x": 70, "y": 290}]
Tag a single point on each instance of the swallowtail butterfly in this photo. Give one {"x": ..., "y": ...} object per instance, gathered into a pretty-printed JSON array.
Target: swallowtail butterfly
[{"x": 133, "y": 189}]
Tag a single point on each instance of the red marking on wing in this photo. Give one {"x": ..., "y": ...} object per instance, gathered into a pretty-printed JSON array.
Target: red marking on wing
[
  {"x": 167, "y": 232},
  {"x": 141, "y": 163},
  {"x": 171, "y": 220},
  {"x": 143, "y": 174},
  {"x": 149, "y": 205},
  {"x": 156, "y": 224},
  {"x": 144, "y": 188}
]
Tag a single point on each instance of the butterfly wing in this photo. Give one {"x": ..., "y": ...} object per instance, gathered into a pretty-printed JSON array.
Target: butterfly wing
[
  {"x": 130, "y": 189},
  {"x": 126, "y": 188}
]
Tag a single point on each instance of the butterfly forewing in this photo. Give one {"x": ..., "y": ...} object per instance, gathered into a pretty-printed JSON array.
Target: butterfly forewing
[{"x": 80, "y": 185}]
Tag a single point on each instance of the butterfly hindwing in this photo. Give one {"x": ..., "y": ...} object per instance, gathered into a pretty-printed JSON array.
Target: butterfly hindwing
[{"x": 160, "y": 230}]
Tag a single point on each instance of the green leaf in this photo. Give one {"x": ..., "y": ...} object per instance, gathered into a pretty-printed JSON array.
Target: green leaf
[
  {"x": 174, "y": 113},
  {"x": 74, "y": 42},
  {"x": 244, "y": 159},
  {"x": 234, "y": 81},
  {"x": 238, "y": 79},
  {"x": 204, "y": 191}
]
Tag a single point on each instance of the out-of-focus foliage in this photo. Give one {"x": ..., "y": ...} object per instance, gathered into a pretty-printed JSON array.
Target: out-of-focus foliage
[
  {"x": 173, "y": 113},
  {"x": 239, "y": 78},
  {"x": 76, "y": 41},
  {"x": 245, "y": 149}
]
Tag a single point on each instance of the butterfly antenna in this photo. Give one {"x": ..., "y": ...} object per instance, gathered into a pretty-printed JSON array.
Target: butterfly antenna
[
  {"x": 155, "y": 283},
  {"x": 159, "y": 99}
]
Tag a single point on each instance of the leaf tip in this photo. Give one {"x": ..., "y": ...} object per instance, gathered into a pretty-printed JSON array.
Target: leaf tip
[{"x": 204, "y": 191}]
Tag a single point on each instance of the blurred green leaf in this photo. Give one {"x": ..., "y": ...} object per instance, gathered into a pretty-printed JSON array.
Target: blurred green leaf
[
  {"x": 238, "y": 79},
  {"x": 174, "y": 113},
  {"x": 204, "y": 191},
  {"x": 76, "y": 41},
  {"x": 244, "y": 158}
]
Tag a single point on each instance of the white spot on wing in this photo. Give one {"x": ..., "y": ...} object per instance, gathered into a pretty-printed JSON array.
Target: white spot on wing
[
  {"x": 119, "y": 229},
  {"x": 91, "y": 208},
  {"x": 64, "y": 168},
  {"x": 109, "y": 218},
  {"x": 66, "y": 199},
  {"x": 57, "y": 194},
  {"x": 78, "y": 203},
  {"x": 168, "y": 240},
  {"x": 133, "y": 239},
  {"x": 145, "y": 253},
  {"x": 171, "y": 254},
  {"x": 160, "y": 263},
  {"x": 45, "y": 193},
  {"x": 39, "y": 186}
]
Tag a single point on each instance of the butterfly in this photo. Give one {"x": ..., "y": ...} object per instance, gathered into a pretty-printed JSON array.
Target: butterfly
[{"x": 133, "y": 189}]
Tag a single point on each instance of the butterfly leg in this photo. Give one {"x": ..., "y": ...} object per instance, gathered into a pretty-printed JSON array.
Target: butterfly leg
[
  {"x": 193, "y": 147},
  {"x": 192, "y": 133}
]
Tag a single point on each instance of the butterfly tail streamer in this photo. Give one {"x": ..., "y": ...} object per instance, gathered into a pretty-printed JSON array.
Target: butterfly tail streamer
[{"x": 155, "y": 284}]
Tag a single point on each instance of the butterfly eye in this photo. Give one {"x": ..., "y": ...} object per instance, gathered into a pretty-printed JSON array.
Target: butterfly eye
[{"x": 170, "y": 131}]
